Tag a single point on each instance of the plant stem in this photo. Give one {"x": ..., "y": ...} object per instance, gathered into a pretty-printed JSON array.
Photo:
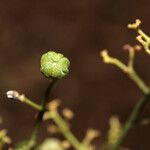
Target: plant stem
[
  {"x": 128, "y": 69},
  {"x": 139, "y": 82},
  {"x": 40, "y": 115},
  {"x": 132, "y": 120},
  {"x": 31, "y": 103},
  {"x": 63, "y": 126}
]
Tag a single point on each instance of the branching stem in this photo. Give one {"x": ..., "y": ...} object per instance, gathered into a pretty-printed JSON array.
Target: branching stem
[
  {"x": 137, "y": 110},
  {"x": 63, "y": 126}
]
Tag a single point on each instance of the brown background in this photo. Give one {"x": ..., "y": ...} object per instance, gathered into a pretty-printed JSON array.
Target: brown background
[{"x": 78, "y": 29}]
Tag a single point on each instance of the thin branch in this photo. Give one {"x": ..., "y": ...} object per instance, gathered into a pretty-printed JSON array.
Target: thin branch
[
  {"x": 128, "y": 69},
  {"x": 137, "y": 110},
  {"x": 39, "y": 119},
  {"x": 63, "y": 126},
  {"x": 22, "y": 98},
  {"x": 142, "y": 37}
]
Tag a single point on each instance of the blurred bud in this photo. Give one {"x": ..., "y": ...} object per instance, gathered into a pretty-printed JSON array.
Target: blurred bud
[
  {"x": 92, "y": 133},
  {"x": 115, "y": 130},
  {"x": 145, "y": 122},
  {"x": 128, "y": 47},
  {"x": 54, "y": 65},
  {"x": 67, "y": 113},
  {"x": 51, "y": 144},
  {"x": 137, "y": 47},
  {"x": 52, "y": 129},
  {"x": 65, "y": 144},
  {"x": 53, "y": 105},
  {"x": 4, "y": 139}
]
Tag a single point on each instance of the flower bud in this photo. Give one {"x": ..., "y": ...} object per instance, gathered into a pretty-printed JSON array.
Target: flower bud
[{"x": 54, "y": 65}]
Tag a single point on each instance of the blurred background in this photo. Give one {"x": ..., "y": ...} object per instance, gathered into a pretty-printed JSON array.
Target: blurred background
[{"x": 78, "y": 29}]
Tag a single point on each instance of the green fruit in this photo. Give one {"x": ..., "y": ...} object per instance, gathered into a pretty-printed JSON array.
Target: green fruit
[{"x": 54, "y": 65}]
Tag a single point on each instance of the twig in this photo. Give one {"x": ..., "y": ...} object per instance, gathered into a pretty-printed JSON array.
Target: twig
[
  {"x": 128, "y": 69},
  {"x": 39, "y": 119},
  {"x": 142, "y": 37},
  {"x": 138, "y": 109},
  {"x": 22, "y": 98},
  {"x": 63, "y": 126}
]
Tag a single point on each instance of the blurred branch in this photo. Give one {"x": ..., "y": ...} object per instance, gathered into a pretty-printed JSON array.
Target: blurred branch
[
  {"x": 4, "y": 139},
  {"x": 137, "y": 110},
  {"x": 129, "y": 70},
  {"x": 62, "y": 125},
  {"x": 91, "y": 134}
]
